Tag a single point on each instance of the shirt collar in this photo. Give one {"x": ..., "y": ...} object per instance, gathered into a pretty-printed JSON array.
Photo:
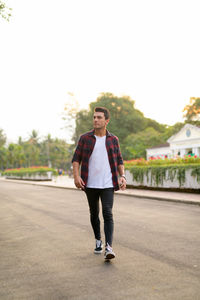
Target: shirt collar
[{"x": 91, "y": 133}]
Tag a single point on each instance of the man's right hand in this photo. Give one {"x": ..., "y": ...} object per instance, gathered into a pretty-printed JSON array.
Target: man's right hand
[{"x": 79, "y": 183}]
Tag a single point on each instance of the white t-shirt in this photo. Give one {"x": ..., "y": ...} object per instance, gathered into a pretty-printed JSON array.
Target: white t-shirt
[{"x": 99, "y": 175}]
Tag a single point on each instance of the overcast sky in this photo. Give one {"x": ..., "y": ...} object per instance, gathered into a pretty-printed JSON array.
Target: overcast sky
[{"x": 149, "y": 50}]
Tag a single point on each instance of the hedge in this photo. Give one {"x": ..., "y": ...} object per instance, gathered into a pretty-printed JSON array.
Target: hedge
[
  {"x": 39, "y": 170},
  {"x": 159, "y": 172}
]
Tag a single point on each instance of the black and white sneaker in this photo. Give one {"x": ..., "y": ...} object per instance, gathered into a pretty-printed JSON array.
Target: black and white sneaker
[
  {"x": 109, "y": 254},
  {"x": 99, "y": 247}
]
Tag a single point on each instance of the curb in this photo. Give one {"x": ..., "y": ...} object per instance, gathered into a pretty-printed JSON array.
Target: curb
[{"x": 162, "y": 199}]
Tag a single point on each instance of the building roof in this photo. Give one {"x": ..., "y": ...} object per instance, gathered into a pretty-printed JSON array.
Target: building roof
[
  {"x": 160, "y": 146},
  {"x": 186, "y": 126},
  {"x": 173, "y": 137}
]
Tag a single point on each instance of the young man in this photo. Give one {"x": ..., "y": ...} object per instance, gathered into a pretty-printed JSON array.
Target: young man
[{"x": 99, "y": 155}]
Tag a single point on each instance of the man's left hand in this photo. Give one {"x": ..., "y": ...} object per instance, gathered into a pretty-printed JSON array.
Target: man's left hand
[{"x": 122, "y": 183}]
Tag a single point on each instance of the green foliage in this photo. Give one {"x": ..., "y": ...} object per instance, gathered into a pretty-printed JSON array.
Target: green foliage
[
  {"x": 135, "y": 145},
  {"x": 3, "y": 157},
  {"x": 157, "y": 174},
  {"x": 2, "y": 138},
  {"x": 155, "y": 125},
  {"x": 20, "y": 172},
  {"x": 158, "y": 170},
  {"x": 125, "y": 119},
  {"x": 83, "y": 123},
  {"x": 157, "y": 162},
  {"x": 171, "y": 130},
  {"x": 33, "y": 152},
  {"x": 192, "y": 110},
  {"x": 5, "y": 12},
  {"x": 196, "y": 172}
]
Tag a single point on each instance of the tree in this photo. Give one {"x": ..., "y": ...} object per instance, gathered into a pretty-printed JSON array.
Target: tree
[
  {"x": 3, "y": 151},
  {"x": 33, "y": 152},
  {"x": 19, "y": 156},
  {"x": 125, "y": 118},
  {"x": 71, "y": 110},
  {"x": 135, "y": 144},
  {"x": 192, "y": 110},
  {"x": 11, "y": 155},
  {"x": 83, "y": 123},
  {"x": 60, "y": 154},
  {"x": 55, "y": 152},
  {"x": 2, "y": 138},
  {"x": 154, "y": 124},
  {"x": 33, "y": 149},
  {"x": 34, "y": 137},
  {"x": 5, "y": 12},
  {"x": 3, "y": 158},
  {"x": 171, "y": 130}
]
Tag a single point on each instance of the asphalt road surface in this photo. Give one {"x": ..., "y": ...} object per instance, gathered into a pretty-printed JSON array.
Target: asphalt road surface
[{"x": 46, "y": 248}]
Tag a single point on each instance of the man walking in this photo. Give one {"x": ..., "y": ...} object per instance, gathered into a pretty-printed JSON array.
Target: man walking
[{"x": 99, "y": 155}]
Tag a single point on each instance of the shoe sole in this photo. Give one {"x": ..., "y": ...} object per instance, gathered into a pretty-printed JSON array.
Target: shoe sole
[
  {"x": 109, "y": 256},
  {"x": 98, "y": 252}
]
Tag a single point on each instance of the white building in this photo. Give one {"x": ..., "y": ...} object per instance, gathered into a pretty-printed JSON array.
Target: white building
[{"x": 186, "y": 141}]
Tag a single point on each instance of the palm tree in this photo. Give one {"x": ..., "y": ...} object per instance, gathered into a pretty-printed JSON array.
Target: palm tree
[{"x": 2, "y": 138}]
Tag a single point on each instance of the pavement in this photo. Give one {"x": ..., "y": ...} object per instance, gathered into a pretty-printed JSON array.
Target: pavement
[
  {"x": 46, "y": 248},
  {"x": 66, "y": 182}
]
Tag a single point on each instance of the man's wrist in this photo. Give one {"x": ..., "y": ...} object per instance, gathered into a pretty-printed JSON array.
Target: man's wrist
[{"x": 123, "y": 176}]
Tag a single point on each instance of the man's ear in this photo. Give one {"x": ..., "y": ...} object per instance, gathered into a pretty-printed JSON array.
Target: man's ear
[{"x": 107, "y": 121}]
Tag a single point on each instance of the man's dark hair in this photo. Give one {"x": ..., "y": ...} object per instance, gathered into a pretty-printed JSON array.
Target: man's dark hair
[{"x": 103, "y": 110}]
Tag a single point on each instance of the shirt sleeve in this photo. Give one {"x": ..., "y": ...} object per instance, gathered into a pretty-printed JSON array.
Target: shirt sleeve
[
  {"x": 78, "y": 152},
  {"x": 119, "y": 155}
]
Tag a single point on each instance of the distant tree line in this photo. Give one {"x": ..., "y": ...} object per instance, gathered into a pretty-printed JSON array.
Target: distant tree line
[
  {"x": 50, "y": 152},
  {"x": 136, "y": 133}
]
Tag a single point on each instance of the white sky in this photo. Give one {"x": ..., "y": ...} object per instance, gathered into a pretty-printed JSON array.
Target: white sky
[{"x": 149, "y": 50}]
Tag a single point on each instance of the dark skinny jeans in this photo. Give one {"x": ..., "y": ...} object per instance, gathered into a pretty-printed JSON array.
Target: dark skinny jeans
[{"x": 106, "y": 196}]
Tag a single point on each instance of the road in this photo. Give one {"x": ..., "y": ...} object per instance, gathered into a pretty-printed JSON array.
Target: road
[{"x": 46, "y": 248}]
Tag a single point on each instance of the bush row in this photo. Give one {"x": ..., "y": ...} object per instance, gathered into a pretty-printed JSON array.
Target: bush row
[
  {"x": 40, "y": 170},
  {"x": 167, "y": 161}
]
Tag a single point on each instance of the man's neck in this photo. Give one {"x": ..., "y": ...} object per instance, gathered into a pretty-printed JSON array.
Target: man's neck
[{"x": 100, "y": 132}]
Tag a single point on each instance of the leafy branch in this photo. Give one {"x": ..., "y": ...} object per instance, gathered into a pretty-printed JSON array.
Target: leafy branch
[{"x": 5, "y": 12}]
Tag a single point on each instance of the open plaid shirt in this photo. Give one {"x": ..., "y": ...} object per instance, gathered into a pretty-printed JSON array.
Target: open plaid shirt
[{"x": 84, "y": 150}]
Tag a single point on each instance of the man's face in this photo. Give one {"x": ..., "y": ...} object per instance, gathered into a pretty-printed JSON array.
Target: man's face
[{"x": 99, "y": 120}]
